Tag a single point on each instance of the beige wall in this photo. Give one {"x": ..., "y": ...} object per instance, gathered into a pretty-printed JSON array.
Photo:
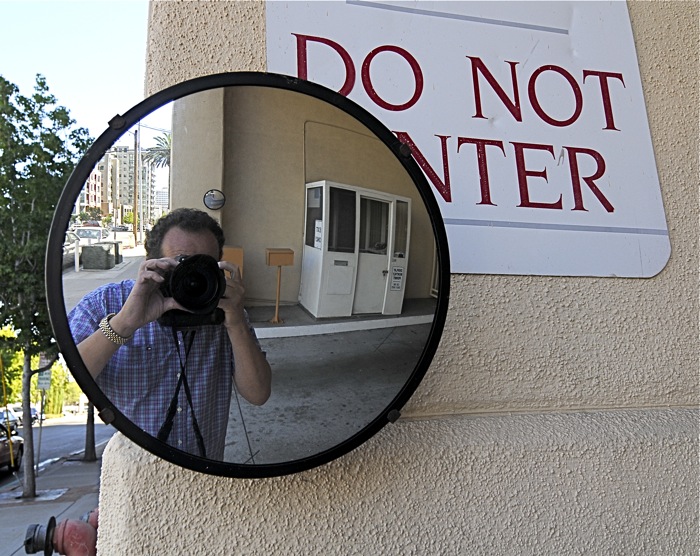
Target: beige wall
[{"x": 559, "y": 416}]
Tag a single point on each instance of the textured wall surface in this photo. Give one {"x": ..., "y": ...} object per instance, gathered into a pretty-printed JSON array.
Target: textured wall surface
[
  {"x": 578, "y": 483},
  {"x": 559, "y": 416},
  {"x": 191, "y": 39}
]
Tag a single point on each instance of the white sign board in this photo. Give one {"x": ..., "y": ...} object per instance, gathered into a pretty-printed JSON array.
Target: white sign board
[
  {"x": 44, "y": 380},
  {"x": 318, "y": 234},
  {"x": 396, "y": 278},
  {"x": 528, "y": 119}
]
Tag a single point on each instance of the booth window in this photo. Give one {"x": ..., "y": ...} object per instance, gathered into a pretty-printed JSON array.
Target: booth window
[
  {"x": 314, "y": 213},
  {"x": 341, "y": 225},
  {"x": 401, "y": 239},
  {"x": 374, "y": 226}
]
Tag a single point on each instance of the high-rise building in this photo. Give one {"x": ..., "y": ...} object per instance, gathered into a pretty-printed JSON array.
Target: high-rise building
[{"x": 111, "y": 187}]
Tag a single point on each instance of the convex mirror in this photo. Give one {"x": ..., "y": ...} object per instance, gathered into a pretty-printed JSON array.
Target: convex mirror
[{"x": 338, "y": 239}]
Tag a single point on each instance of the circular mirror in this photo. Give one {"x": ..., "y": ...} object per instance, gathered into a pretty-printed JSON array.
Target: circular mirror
[
  {"x": 334, "y": 233},
  {"x": 214, "y": 199}
]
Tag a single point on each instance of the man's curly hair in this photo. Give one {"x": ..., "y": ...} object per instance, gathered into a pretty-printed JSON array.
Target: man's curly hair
[{"x": 188, "y": 219}]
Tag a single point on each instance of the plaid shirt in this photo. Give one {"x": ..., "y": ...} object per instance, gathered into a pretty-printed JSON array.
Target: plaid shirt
[{"x": 142, "y": 376}]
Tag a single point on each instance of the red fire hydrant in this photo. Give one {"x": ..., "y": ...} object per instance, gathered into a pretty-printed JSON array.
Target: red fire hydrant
[
  {"x": 71, "y": 537},
  {"x": 77, "y": 537}
]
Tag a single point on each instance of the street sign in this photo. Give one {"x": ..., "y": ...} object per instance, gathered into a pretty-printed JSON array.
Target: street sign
[{"x": 44, "y": 380}]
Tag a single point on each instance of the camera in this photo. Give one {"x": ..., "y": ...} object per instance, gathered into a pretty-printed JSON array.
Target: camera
[{"x": 197, "y": 283}]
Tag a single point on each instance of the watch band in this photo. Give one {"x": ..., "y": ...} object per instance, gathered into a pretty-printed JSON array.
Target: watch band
[{"x": 109, "y": 332}]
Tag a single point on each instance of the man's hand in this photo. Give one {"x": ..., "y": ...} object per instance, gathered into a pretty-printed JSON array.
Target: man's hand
[
  {"x": 232, "y": 300},
  {"x": 145, "y": 302}
]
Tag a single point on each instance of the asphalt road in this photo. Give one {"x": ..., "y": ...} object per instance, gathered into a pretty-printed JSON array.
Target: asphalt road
[{"x": 59, "y": 438}]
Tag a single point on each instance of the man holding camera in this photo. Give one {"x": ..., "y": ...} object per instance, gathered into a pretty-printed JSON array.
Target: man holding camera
[{"x": 173, "y": 380}]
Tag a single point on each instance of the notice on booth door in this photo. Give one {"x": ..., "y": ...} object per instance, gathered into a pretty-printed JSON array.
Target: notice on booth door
[
  {"x": 396, "y": 278},
  {"x": 527, "y": 118}
]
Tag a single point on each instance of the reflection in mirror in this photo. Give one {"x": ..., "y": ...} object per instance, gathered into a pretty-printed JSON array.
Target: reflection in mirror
[
  {"x": 214, "y": 199},
  {"x": 326, "y": 227}
]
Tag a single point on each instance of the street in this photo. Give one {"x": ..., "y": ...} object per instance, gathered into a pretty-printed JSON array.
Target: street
[{"x": 59, "y": 438}]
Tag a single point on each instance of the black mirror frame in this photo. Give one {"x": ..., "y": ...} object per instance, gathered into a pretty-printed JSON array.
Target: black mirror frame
[
  {"x": 211, "y": 193},
  {"x": 54, "y": 284}
]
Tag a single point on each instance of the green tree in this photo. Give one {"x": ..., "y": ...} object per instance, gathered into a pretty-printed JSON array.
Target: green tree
[
  {"x": 159, "y": 155},
  {"x": 39, "y": 147},
  {"x": 12, "y": 362},
  {"x": 94, "y": 213},
  {"x": 56, "y": 395}
]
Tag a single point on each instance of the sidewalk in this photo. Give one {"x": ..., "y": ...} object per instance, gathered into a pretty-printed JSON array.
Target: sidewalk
[{"x": 67, "y": 489}]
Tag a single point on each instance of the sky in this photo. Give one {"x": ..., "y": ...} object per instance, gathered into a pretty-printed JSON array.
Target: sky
[{"x": 91, "y": 52}]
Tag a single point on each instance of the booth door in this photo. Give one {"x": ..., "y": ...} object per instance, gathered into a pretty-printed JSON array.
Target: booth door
[
  {"x": 373, "y": 256},
  {"x": 399, "y": 244}
]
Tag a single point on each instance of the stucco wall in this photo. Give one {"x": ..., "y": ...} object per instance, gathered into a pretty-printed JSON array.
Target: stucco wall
[{"x": 559, "y": 416}]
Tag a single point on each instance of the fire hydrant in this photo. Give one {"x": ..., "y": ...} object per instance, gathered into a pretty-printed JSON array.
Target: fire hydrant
[{"x": 71, "y": 537}]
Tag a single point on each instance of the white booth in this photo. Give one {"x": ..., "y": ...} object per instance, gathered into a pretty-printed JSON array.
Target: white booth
[{"x": 355, "y": 254}]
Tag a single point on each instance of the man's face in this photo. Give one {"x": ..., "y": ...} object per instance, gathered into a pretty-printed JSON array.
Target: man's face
[{"x": 180, "y": 242}]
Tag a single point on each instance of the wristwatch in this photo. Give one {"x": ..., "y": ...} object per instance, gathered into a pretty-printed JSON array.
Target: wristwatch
[{"x": 109, "y": 332}]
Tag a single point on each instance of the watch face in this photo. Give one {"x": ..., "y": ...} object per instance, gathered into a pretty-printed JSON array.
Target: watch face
[{"x": 331, "y": 237}]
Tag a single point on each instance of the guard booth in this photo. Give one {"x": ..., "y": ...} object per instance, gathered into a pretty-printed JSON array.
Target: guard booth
[{"x": 355, "y": 253}]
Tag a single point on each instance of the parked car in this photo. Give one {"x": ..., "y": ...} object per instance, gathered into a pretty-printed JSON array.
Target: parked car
[
  {"x": 69, "y": 249},
  {"x": 20, "y": 414},
  {"x": 121, "y": 228},
  {"x": 91, "y": 234},
  {"x": 9, "y": 416},
  {"x": 13, "y": 462},
  {"x": 35, "y": 415}
]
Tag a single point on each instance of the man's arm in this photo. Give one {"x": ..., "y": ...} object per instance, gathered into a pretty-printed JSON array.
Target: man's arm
[
  {"x": 253, "y": 375},
  {"x": 144, "y": 304}
]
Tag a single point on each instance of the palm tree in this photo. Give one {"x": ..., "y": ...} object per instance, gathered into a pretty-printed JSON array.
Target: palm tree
[{"x": 159, "y": 155}]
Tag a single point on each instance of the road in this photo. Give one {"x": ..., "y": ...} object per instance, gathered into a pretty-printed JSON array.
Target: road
[{"x": 60, "y": 438}]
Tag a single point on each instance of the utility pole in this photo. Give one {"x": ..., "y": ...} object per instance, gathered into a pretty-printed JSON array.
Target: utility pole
[{"x": 136, "y": 186}]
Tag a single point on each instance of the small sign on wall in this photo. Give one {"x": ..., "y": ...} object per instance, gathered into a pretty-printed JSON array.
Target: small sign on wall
[{"x": 527, "y": 118}]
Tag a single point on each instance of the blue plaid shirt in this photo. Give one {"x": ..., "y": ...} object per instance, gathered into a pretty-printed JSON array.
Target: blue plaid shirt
[{"x": 142, "y": 376}]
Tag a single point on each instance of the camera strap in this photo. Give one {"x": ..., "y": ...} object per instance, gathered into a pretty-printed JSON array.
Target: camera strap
[{"x": 166, "y": 428}]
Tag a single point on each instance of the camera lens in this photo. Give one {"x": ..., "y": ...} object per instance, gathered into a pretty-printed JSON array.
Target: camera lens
[
  {"x": 198, "y": 283},
  {"x": 195, "y": 286}
]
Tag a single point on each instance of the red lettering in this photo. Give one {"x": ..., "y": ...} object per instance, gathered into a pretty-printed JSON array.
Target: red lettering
[
  {"x": 576, "y": 178},
  {"x": 513, "y": 106},
  {"x": 532, "y": 94},
  {"x": 524, "y": 174},
  {"x": 302, "y": 60},
  {"x": 417, "y": 75},
  {"x": 605, "y": 93},
  {"x": 481, "y": 145},
  {"x": 478, "y": 68},
  {"x": 443, "y": 187}
]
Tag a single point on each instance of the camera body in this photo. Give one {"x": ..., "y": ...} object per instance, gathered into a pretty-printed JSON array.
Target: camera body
[{"x": 197, "y": 283}]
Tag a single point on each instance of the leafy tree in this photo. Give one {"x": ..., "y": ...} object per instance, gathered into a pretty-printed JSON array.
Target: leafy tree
[
  {"x": 12, "y": 362},
  {"x": 56, "y": 395},
  {"x": 94, "y": 213},
  {"x": 159, "y": 155},
  {"x": 39, "y": 147}
]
